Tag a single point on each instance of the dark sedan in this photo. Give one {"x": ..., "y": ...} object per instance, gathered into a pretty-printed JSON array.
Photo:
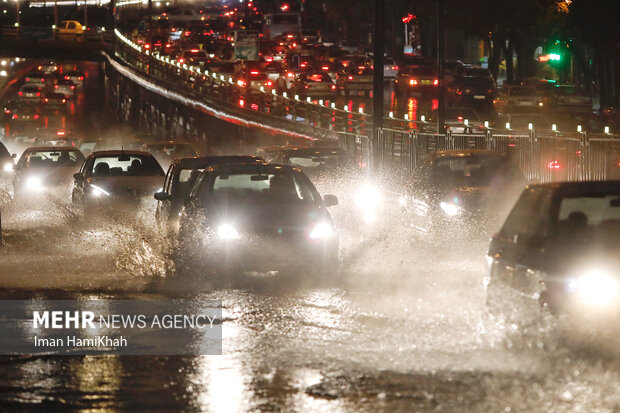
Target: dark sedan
[
  {"x": 558, "y": 249},
  {"x": 257, "y": 218}
]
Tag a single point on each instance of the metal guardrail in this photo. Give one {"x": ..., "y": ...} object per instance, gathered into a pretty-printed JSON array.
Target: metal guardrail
[{"x": 543, "y": 157}]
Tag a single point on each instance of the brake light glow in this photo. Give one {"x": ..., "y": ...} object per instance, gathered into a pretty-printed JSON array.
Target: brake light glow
[
  {"x": 554, "y": 165},
  {"x": 269, "y": 83},
  {"x": 36, "y": 116},
  {"x": 21, "y": 93},
  {"x": 333, "y": 87},
  {"x": 27, "y": 79},
  {"x": 147, "y": 46},
  {"x": 254, "y": 72},
  {"x": 350, "y": 77},
  {"x": 435, "y": 82},
  {"x": 194, "y": 50},
  {"x": 38, "y": 93},
  {"x": 459, "y": 118},
  {"x": 394, "y": 67},
  {"x": 289, "y": 74},
  {"x": 15, "y": 116},
  {"x": 325, "y": 67},
  {"x": 413, "y": 82}
]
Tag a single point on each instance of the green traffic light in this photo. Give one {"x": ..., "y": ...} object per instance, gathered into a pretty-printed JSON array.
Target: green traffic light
[{"x": 554, "y": 56}]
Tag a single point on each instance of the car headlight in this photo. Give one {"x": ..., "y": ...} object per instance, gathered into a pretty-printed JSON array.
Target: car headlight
[
  {"x": 34, "y": 184},
  {"x": 450, "y": 208},
  {"x": 8, "y": 167},
  {"x": 597, "y": 288},
  {"x": 227, "y": 231},
  {"x": 368, "y": 198},
  {"x": 321, "y": 230},
  {"x": 98, "y": 191}
]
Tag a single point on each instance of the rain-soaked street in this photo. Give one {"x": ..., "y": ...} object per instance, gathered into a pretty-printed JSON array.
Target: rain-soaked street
[{"x": 403, "y": 326}]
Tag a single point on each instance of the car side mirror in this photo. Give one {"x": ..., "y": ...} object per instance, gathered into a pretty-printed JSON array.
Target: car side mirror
[
  {"x": 330, "y": 200},
  {"x": 161, "y": 196}
]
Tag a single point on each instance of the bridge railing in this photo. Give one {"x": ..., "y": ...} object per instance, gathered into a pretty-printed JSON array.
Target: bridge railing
[
  {"x": 541, "y": 156},
  {"x": 317, "y": 118}
]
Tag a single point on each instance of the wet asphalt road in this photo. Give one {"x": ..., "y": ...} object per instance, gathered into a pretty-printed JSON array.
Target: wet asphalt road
[{"x": 403, "y": 327}]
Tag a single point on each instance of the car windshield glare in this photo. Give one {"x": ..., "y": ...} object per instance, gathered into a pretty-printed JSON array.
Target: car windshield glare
[
  {"x": 53, "y": 158},
  {"x": 126, "y": 165},
  {"x": 263, "y": 187},
  {"x": 471, "y": 171}
]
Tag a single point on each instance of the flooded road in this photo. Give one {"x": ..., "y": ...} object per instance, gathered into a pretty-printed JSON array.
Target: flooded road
[{"x": 402, "y": 327}]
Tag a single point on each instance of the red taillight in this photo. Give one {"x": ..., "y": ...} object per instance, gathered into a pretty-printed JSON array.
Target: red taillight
[
  {"x": 241, "y": 102},
  {"x": 269, "y": 83},
  {"x": 350, "y": 77},
  {"x": 188, "y": 33},
  {"x": 38, "y": 93},
  {"x": 333, "y": 87},
  {"x": 413, "y": 82},
  {"x": 181, "y": 60},
  {"x": 268, "y": 58},
  {"x": 168, "y": 45},
  {"x": 303, "y": 64},
  {"x": 46, "y": 100},
  {"x": 81, "y": 77},
  {"x": 64, "y": 100},
  {"x": 459, "y": 118},
  {"x": 21, "y": 93},
  {"x": 325, "y": 67},
  {"x": 67, "y": 78},
  {"x": 289, "y": 74},
  {"x": 554, "y": 165},
  {"x": 15, "y": 116},
  {"x": 60, "y": 133},
  {"x": 72, "y": 87},
  {"x": 394, "y": 67},
  {"x": 147, "y": 46},
  {"x": 36, "y": 116},
  {"x": 27, "y": 79},
  {"x": 435, "y": 82},
  {"x": 254, "y": 72},
  {"x": 40, "y": 67},
  {"x": 56, "y": 86},
  {"x": 194, "y": 50},
  {"x": 306, "y": 87}
]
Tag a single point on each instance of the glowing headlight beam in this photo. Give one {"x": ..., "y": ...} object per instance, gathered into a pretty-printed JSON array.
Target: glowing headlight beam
[
  {"x": 227, "y": 231},
  {"x": 598, "y": 288},
  {"x": 368, "y": 198},
  {"x": 34, "y": 184},
  {"x": 97, "y": 191},
  {"x": 8, "y": 167},
  {"x": 450, "y": 209},
  {"x": 321, "y": 231}
]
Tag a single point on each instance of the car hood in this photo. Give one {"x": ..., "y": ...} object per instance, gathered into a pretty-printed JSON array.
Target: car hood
[{"x": 132, "y": 185}]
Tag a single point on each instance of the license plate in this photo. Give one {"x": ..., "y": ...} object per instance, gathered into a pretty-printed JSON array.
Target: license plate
[
  {"x": 479, "y": 96},
  {"x": 525, "y": 103},
  {"x": 425, "y": 82}
]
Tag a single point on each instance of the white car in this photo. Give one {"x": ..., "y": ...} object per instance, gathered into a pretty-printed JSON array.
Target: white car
[
  {"x": 109, "y": 177},
  {"x": 76, "y": 77},
  {"x": 66, "y": 87}
]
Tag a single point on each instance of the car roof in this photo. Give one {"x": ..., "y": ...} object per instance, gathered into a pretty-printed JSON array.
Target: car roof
[
  {"x": 464, "y": 153},
  {"x": 121, "y": 152},
  {"x": 206, "y": 161},
  {"x": 170, "y": 142},
  {"x": 586, "y": 186},
  {"x": 51, "y": 148},
  {"x": 254, "y": 167},
  {"x": 318, "y": 151}
]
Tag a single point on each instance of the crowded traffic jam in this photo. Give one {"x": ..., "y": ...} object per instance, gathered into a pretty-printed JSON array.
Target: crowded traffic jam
[{"x": 472, "y": 243}]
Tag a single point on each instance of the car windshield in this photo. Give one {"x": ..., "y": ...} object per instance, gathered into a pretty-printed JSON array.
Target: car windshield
[
  {"x": 586, "y": 216},
  {"x": 268, "y": 187},
  {"x": 470, "y": 171},
  {"x": 126, "y": 165},
  {"x": 53, "y": 158}
]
